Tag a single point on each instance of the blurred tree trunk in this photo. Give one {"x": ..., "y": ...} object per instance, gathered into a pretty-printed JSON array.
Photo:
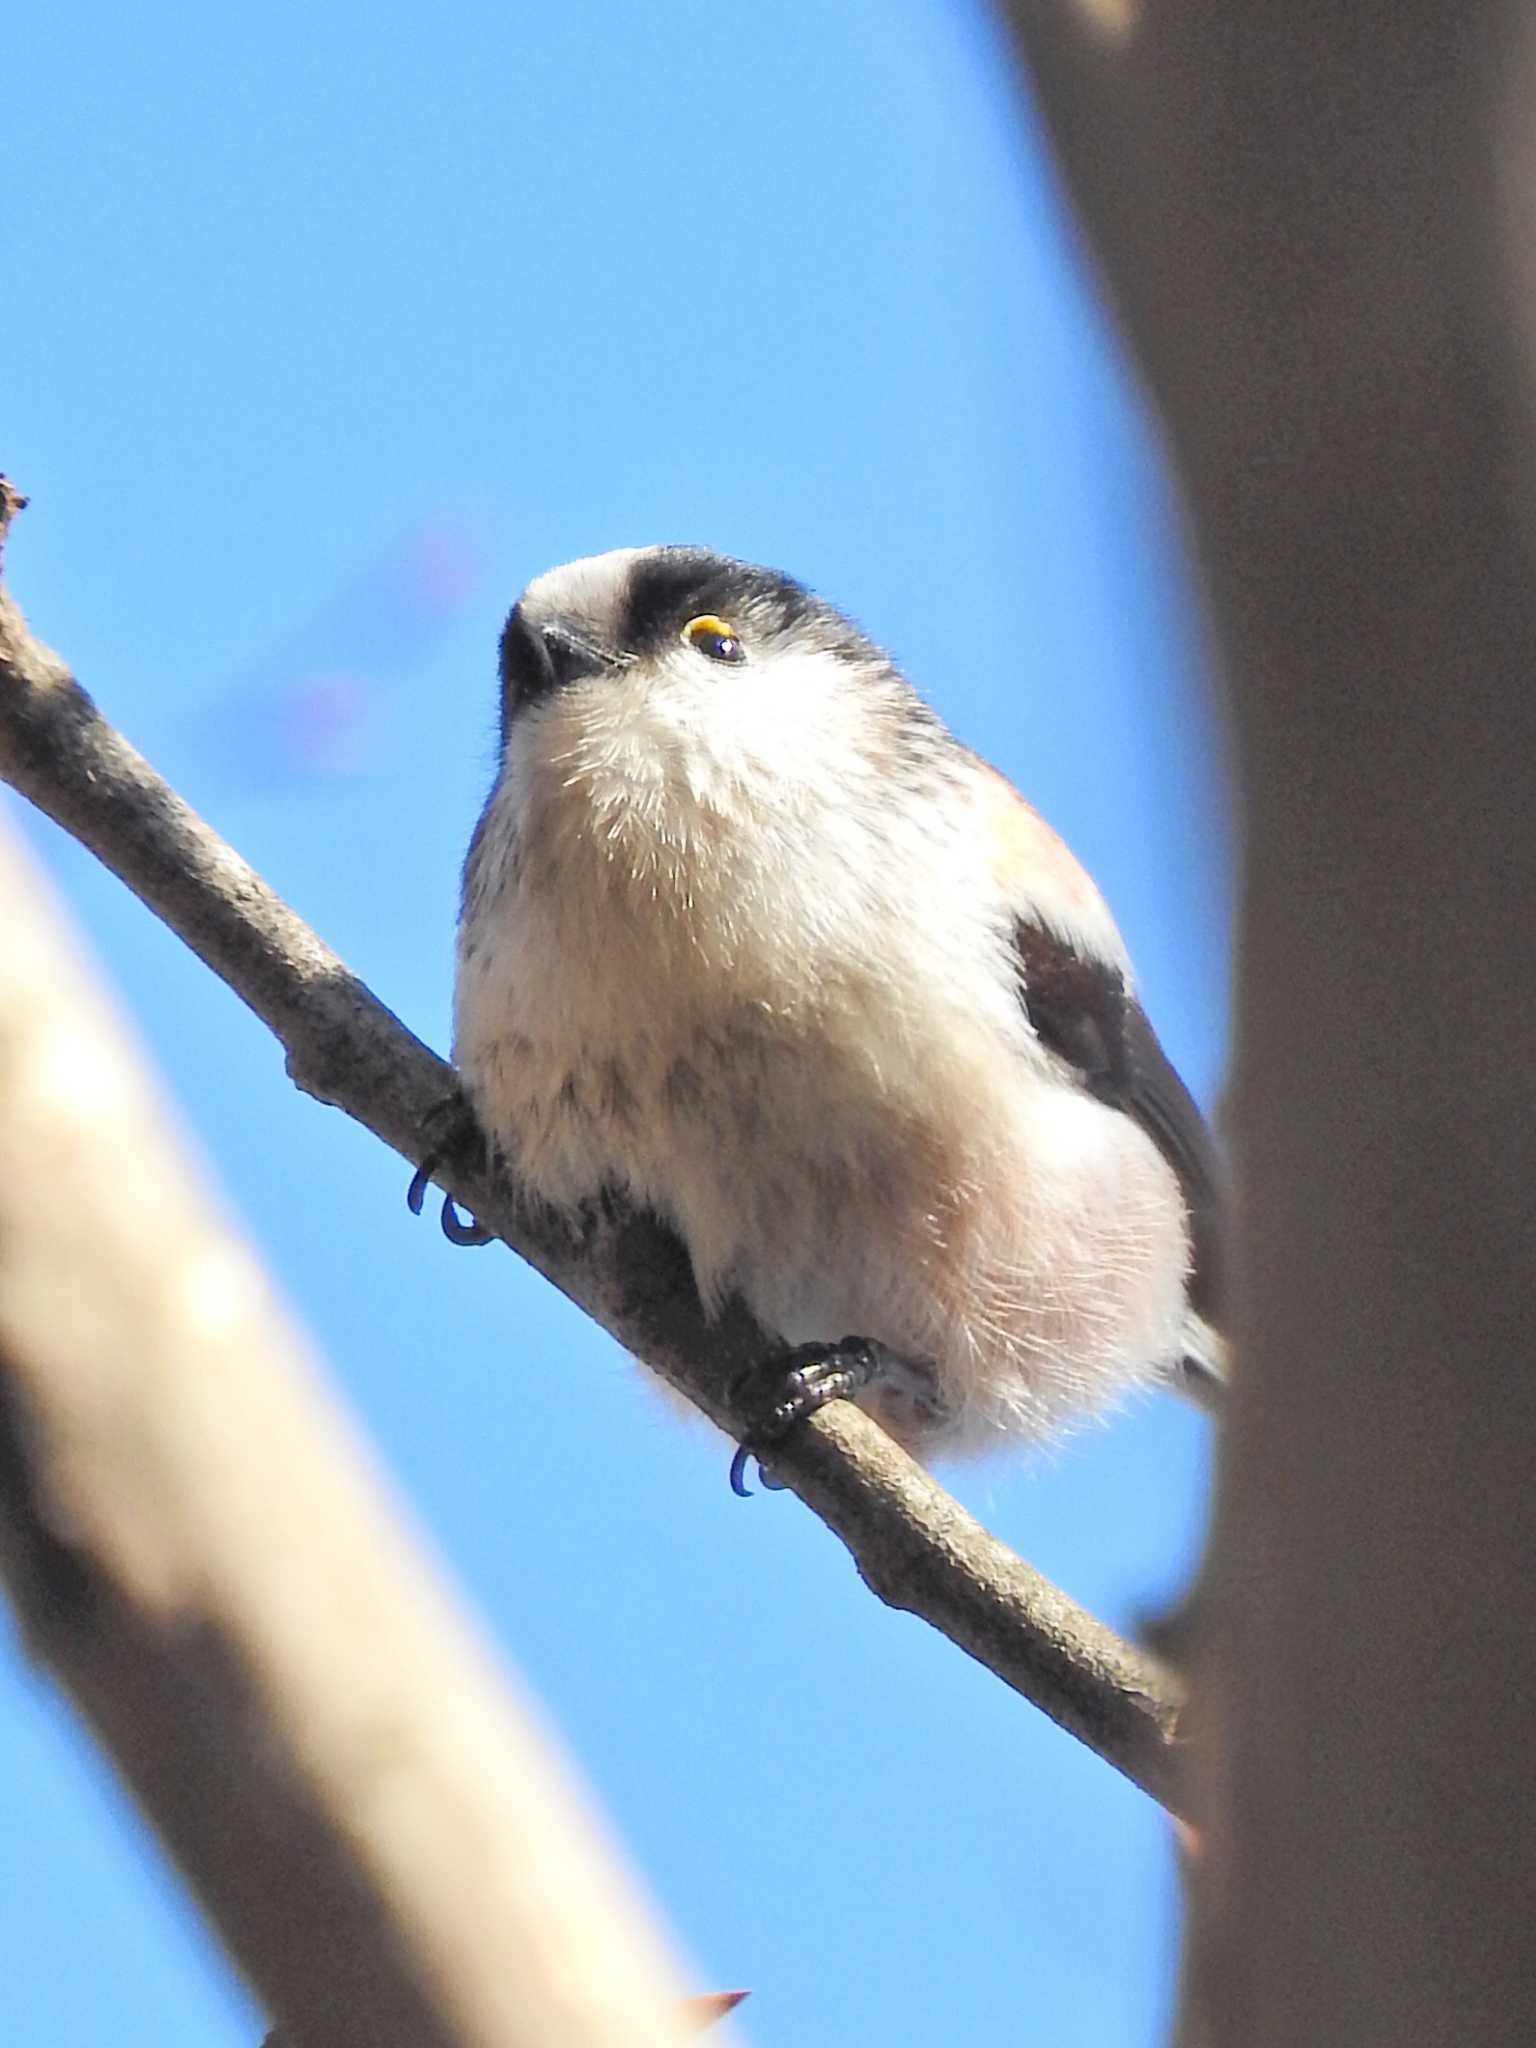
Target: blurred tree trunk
[
  {"x": 1316, "y": 227},
  {"x": 200, "y": 1554}
]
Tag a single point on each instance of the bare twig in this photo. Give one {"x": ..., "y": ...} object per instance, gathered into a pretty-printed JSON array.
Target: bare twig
[
  {"x": 200, "y": 1552},
  {"x": 914, "y": 1545}
]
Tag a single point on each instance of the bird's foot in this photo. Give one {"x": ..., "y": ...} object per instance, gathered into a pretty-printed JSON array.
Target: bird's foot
[
  {"x": 782, "y": 1391},
  {"x": 453, "y": 1137}
]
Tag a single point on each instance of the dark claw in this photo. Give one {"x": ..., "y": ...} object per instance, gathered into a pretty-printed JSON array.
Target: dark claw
[
  {"x": 461, "y": 1229},
  {"x": 739, "y": 1486},
  {"x": 787, "y": 1388},
  {"x": 743, "y": 1458},
  {"x": 457, "y": 1140}
]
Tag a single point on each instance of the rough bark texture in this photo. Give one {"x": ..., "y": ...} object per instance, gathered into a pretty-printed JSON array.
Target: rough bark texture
[
  {"x": 1314, "y": 225},
  {"x": 914, "y": 1545}
]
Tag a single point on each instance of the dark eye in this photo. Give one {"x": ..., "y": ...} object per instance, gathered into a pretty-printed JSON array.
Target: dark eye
[{"x": 715, "y": 638}]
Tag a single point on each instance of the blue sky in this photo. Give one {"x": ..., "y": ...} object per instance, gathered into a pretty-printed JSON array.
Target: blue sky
[{"x": 329, "y": 327}]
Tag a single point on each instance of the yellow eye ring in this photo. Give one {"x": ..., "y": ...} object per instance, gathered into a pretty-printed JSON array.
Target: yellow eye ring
[{"x": 714, "y": 637}]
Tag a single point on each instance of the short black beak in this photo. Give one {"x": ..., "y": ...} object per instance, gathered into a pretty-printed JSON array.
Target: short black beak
[
  {"x": 537, "y": 660},
  {"x": 571, "y": 657}
]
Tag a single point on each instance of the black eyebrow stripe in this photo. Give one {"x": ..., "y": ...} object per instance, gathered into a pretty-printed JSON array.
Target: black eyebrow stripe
[
  {"x": 662, "y": 587},
  {"x": 671, "y": 585}
]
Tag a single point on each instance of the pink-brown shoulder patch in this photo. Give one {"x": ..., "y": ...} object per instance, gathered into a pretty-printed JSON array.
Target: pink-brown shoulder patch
[{"x": 1027, "y": 857}]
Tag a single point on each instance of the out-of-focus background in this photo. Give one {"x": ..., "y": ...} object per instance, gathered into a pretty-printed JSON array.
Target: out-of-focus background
[{"x": 328, "y": 327}]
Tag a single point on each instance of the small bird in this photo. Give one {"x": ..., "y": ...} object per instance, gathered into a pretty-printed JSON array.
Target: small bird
[{"x": 750, "y": 940}]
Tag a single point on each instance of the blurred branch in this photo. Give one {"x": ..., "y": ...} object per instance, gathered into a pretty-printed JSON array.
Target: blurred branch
[
  {"x": 1316, "y": 226},
  {"x": 696, "y": 2016},
  {"x": 914, "y": 1545},
  {"x": 200, "y": 1553}
]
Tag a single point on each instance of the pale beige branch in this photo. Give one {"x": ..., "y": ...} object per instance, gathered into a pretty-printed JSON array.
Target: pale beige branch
[{"x": 201, "y": 1553}]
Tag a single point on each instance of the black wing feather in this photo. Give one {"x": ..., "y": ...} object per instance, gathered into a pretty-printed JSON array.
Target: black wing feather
[{"x": 1082, "y": 1010}]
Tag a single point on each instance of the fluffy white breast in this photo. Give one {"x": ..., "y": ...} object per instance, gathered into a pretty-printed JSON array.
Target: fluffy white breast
[{"x": 740, "y": 945}]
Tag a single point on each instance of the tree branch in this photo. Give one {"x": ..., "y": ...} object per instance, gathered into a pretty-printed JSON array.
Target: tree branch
[
  {"x": 914, "y": 1545},
  {"x": 1316, "y": 226},
  {"x": 200, "y": 1553}
]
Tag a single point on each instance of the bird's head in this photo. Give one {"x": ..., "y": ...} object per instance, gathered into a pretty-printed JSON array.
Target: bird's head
[{"x": 669, "y": 685}]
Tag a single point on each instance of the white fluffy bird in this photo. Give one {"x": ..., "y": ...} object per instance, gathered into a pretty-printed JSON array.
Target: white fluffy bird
[{"x": 750, "y": 939}]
